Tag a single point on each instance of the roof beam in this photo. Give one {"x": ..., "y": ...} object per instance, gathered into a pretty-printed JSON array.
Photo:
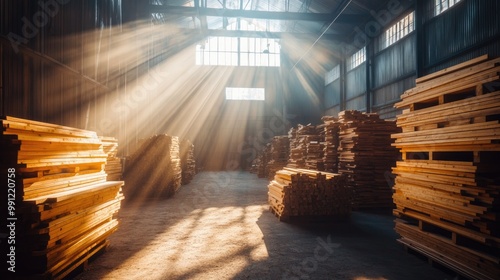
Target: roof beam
[
  {"x": 260, "y": 34},
  {"x": 198, "y": 11}
]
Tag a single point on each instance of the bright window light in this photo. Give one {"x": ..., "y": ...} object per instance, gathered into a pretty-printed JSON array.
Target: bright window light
[
  {"x": 356, "y": 59},
  {"x": 443, "y": 5},
  {"x": 399, "y": 30},
  {"x": 245, "y": 93},
  {"x": 243, "y": 51}
]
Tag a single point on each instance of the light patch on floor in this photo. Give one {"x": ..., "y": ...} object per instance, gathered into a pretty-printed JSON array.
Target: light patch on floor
[{"x": 201, "y": 243}]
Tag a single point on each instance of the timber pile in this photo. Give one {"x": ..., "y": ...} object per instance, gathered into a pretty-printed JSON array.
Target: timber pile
[
  {"x": 306, "y": 193},
  {"x": 154, "y": 169},
  {"x": 188, "y": 163},
  {"x": 64, "y": 206},
  {"x": 314, "y": 150},
  {"x": 279, "y": 153},
  {"x": 447, "y": 190},
  {"x": 263, "y": 156},
  {"x": 366, "y": 157},
  {"x": 113, "y": 167},
  {"x": 305, "y": 152},
  {"x": 330, "y": 150}
]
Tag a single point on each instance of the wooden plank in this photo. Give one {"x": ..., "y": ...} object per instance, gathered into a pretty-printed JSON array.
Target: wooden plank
[
  {"x": 451, "y": 77},
  {"x": 452, "y": 69}
]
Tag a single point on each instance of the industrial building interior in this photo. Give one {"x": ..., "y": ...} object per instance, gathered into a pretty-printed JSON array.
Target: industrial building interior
[{"x": 250, "y": 139}]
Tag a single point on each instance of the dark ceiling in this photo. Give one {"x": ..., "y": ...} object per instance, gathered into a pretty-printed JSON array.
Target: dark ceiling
[{"x": 333, "y": 20}]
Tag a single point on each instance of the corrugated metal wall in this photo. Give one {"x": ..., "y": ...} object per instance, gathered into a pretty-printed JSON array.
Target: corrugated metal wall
[
  {"x": 467, "y": 30},
  {"x": 53, "y": 69},
  {"x": 332, "y": 94}
]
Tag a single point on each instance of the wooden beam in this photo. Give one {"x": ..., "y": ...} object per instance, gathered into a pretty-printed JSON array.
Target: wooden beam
[{"x": 193, "y": 11}]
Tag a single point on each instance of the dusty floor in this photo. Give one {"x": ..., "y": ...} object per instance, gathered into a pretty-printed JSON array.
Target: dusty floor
[{"x": 219, "y": 227}]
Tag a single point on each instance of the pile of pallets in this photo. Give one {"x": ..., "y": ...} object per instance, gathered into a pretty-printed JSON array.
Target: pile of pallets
[
  {"x": 188, "y": 163},
  {"x": 154, "y": 169},
  {"x": 447, "y": 190},
  {"x": 330, "y": 150},
  {"x": 279, "y": 154},
  {"x": 306, "y": 193},
  {"x": 113, "y": 167},
  {"x": 60, "y": 202},
  {"x": 366, "y": 157}
]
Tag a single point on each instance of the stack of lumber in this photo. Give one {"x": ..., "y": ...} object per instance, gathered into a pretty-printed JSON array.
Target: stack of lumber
[
  {"x": 113, "y": 165},
  {"x": 154, "y": 169},
  {"x": 188, "y": 163},
  {"x": 330, "y": 150},
  {"x": 314, "y": 151},
  {"x": 366, "y": 157},
  {"x": 307, "y": 193},
  {"x": 297, "y": 151},
  {"x": 305, "y": 152},
  {"x": 263, "y": 158},
  {"x": 279, "y": 153},
  {"x": 447, "y": 189},
  {"x": 61, "y": 204}
]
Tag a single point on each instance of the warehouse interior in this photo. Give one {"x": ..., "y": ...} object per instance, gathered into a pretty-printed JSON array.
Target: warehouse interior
[{"x": 250, "y": 139}]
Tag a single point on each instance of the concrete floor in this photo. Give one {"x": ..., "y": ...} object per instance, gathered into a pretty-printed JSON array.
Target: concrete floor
[{"x": 219, "y": 227}]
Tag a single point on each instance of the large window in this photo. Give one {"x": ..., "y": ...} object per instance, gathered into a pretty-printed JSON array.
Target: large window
[
  {"x": 241, "y": 51},
  {"x": 356, "y": 59},
  {"x": 245, "y": 93},
  {"x": 399, "y": 30},
  {"x": 332, "y": 75},
  {"x": 443, "y": 5}
]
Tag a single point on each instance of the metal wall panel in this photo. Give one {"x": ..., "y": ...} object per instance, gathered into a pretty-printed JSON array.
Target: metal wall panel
[
  {"x": 332, "y": 94},
  {"x": 357, "y": 103},
  {"x": 391, "y": 93},
  {"x": 395, "y": 62},
  {"x": 356, "y": 81},
  {"x": 333, "y": 111},
  {"x": 468, "y": 29}
]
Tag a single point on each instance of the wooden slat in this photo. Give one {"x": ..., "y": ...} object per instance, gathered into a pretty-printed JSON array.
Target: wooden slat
[{"x": 452, "y": 68}]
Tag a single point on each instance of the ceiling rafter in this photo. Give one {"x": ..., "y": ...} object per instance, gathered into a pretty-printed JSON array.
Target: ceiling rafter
[{"x": 199, "y": 11}]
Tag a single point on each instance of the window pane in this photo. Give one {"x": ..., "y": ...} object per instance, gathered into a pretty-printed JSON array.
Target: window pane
[
  {"x": 244, "y": 44},
  {"x": 251, "y": 59},
  {"x": 245, "y": 93}
]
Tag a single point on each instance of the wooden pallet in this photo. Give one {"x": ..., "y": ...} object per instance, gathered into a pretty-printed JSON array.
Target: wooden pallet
[
  {"x": 465, "y": 260},
  {"x": 447, "y": 179},
  {"x": 65, "y": 208},
  {"x": 308, "y": 193}
]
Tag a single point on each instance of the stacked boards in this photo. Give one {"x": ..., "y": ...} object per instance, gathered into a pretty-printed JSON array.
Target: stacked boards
[
  {"x": 59, "y": 202},
  {"x": 263, "y": 159},
  {"x": 305, "y": 148},
  {"x": 113, "y": 167},
  {"x": 331, "y": 144},
  {"x": 295, "y": 193},
  {"x": 154, "y": 169},
  {"x": 447, "y": 189},
  {"x": 279, "y": 153},
  {"x": 188, "y": 163},
  {"x": 366, "y": 157}
]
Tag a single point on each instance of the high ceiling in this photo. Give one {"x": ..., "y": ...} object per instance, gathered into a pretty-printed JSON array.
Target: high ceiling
[{"x": 274, "y": 18}]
